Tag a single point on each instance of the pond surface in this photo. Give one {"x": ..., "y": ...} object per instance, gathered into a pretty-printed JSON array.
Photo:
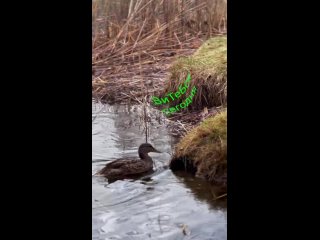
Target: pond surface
[{"x": 163, "y": 205}]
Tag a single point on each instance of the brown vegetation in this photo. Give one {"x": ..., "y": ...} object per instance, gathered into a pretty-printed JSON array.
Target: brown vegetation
[
  {"x": 134, "y": 42},
  {"x": 203, "y": 150},
  {"x": 208, "y": 69}
]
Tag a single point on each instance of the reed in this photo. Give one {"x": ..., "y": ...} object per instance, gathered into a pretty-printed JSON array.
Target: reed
[{"x": 135, "y": 41}]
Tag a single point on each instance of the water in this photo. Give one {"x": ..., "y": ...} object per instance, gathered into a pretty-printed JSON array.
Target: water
[{"x": 164, "y": 205}]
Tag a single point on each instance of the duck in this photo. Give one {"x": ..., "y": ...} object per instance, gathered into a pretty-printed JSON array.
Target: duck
[{"x": 128, "y": 167}]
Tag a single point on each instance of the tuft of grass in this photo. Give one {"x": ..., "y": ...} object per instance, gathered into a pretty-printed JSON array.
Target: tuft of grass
[
  {"x": 204, "y": 149},
  {"x": 208, "y": 69}
]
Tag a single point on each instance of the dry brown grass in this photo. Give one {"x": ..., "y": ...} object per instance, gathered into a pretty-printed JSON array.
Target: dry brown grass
[
  {"x": 134, "y": 42},
  {"x": 208, "y": 69},
  {"x": 203, "y": 150},
  {"x": 115, "y": 19}
]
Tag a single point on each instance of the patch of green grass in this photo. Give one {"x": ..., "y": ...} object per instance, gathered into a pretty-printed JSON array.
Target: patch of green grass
[
  {"x": 208, "y": 69},
  {"x": 205, "y": 147}
]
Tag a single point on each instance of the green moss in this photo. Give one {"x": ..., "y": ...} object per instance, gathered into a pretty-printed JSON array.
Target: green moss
[
  {"x": 205, "y": 147},
  {"x": 208, "y": 68},
  {"x": 210, "y": 58}
]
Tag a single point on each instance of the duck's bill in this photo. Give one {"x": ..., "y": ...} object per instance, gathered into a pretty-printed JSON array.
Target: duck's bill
[{"x": 155, "y": 150}]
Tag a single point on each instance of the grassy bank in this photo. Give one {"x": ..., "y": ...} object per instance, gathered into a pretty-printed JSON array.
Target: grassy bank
[
  {"x": 208, "y": 69},
  {"x": 203, "y": 150}
]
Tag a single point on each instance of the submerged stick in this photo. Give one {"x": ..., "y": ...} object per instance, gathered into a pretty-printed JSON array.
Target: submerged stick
[{"x": 221, "y": 196}]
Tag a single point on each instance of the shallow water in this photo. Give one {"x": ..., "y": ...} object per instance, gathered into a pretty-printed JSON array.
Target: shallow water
[{"x": 163, "y": 205}]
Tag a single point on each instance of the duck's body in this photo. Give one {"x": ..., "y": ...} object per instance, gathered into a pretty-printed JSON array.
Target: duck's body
[{"x": 123, "y": 168}]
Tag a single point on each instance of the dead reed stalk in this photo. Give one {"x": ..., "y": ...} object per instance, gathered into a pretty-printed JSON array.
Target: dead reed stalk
[{"x": 136, "y": 40}]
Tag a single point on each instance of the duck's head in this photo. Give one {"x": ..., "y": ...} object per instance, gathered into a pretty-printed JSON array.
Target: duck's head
[{"x": 146, "y": 148}]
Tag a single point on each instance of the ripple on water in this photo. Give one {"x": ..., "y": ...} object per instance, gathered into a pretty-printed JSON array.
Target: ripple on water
[{"x": 156, "y": 207}]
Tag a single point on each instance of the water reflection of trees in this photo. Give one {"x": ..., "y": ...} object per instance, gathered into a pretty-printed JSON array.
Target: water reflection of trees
[
  {"x": 202, "y": 190},
  {"x": 130, "y": 128},
  {"x": 128, "y": 132}
]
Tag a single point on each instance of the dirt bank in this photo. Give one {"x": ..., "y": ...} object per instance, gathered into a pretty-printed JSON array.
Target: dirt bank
[{"x": 203, "y": 150}]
